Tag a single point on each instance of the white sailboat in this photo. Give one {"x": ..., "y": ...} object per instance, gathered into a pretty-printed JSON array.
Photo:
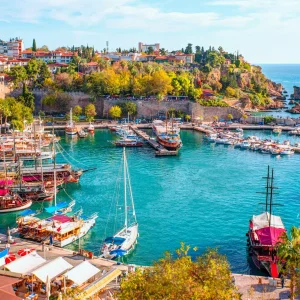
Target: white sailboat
[
  {"x": 125, "y": 239},
  {"x": 71, "y": 128}
]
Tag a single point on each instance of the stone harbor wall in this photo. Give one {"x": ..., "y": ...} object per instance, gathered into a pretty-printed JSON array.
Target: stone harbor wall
[
  {"x": 150, "y": 109},
  {"x": 146, "y": 109}
]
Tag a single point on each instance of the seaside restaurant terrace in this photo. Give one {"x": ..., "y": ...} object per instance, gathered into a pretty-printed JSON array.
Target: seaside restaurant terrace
[{"x": 32, "y": 277}]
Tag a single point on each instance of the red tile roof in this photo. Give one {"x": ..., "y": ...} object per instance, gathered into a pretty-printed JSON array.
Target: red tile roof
[{"x": 57, "y": 65}]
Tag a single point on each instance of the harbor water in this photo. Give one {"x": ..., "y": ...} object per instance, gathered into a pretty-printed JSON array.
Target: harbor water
[{"x": 204, "y": 197}]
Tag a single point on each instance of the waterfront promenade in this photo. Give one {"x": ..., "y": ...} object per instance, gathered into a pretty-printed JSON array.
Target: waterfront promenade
[
  {"x": 104, "y": 281},
  {"x": 251, "y": 287}
]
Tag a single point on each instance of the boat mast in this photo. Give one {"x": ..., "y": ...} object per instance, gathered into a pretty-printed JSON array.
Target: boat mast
[
  {"x": 166, "y": 122},
  {"x": 34, "y": 144},
  {"x": 130, "y": 192},
  {"x": 71, "y": 122},
  {"x": 271, "y": 196},
  {"x": 125, "y": 188},
  {"x": 54, "y": 171},
  {"x": 267, "y": 188}
]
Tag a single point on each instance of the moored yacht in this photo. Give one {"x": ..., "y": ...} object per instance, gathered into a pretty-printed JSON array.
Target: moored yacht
[
  {"x": 264, "y": 234},
  {"x": 123, "y": 242}
]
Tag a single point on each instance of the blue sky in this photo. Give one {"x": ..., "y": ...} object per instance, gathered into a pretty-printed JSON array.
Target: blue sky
[{"x": 264, "y": 31}]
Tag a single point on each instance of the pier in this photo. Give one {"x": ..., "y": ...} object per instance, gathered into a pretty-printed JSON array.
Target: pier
[{"x": 160, "y": 150}]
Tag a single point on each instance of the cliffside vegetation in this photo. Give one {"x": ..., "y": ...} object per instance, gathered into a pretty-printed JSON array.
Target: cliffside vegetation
[{"x": 216, "y": 78}]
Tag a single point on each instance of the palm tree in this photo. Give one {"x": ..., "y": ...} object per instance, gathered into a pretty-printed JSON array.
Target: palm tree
[{"x": 289, "y": 252}]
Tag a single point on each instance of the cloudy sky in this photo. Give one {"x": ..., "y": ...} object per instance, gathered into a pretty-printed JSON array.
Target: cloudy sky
[{"x": 264, "y": 31}]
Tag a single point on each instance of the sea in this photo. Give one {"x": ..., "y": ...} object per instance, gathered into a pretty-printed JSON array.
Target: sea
[
  {"x": 289, "y": 76},
  {"x": 203, "y": 197}
]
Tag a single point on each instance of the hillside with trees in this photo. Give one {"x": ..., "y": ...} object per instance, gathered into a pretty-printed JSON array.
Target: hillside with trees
[{"x": 215, "y": 78}]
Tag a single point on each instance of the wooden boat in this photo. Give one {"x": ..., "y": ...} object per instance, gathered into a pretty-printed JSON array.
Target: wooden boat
[
  {"x": 82, "y": 134},
  {"x": 167, "y": 136},
  {"x": 71, "y": 128},
  {"x": 277, "y": 130},
  {"x": 10, "y": 202},
  {"x": 264, "y": 234},
  {"x": 91, "y": 128},
  {"x": 58, "y": 229},
  {"x": 123, "y": 242}
]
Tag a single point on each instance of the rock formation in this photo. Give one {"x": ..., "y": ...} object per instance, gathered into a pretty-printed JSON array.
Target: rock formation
[{"x": 296, "y": 93}]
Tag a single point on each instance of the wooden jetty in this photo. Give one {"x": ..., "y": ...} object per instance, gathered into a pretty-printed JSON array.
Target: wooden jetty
[{"x": 160, "y": 150}]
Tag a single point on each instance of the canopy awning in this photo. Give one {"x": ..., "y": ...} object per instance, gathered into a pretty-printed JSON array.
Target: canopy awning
[
  {"x": 269, "y": 236},
  {"x": 115, "y": 240},
  {"x": 82, "y": 273},
  {"x": 6, "y": 289},
  {"x": 262, "y": 221},
  {"x": 26, "y": 264},
  {"x": 52, "y": 269},
  {"x": 52, "y": 209},
  {"x": 27, "y": 212}
]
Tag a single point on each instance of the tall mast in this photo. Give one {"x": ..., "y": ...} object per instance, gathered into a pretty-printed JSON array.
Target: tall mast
[
  {"x": 34, "y": 144},
  {"x": 271, "y": 196},
  {"x": 125, "y": 188},
  {"x": 54, "y": 172},
  {"x": 267, "y": 187},
  {"x": 71, "y": 121},
  {"x": 15, "y": 154},
  {"x": 166, "y": 122},
  {"x": 130, "y": 192}
]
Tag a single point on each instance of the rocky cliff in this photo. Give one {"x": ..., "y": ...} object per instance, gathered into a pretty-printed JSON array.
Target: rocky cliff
[{"x": 296, "y": 95}]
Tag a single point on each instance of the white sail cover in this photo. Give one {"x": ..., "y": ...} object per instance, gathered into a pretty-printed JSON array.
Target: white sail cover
[
  {"x": 52, "y": 269},
  {"x": 26, "y": 264},
  {"x": 82, "y": 273},
  {"x": 262, "y": 221}
]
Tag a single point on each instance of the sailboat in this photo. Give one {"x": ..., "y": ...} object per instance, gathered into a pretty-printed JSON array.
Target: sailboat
[
  {"x": 264, "y": 234},
  {"x": 91, "y": 128},
  {"x": 71, "y": 128},
  {"x": 123, "y": 242}
]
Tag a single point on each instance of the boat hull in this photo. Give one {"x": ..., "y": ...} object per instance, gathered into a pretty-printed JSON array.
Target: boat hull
[
  {"x": 172, "y": 146},
  {"x": 8, "y": 210},
  {"x": 83, "y": 231}
]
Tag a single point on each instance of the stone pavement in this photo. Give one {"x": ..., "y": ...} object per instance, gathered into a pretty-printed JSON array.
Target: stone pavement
[{"x": 258, "y": 288}]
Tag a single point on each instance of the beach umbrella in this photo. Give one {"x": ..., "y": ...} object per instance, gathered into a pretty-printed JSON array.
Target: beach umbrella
[
  {"x": 25, "y": 251},
  {"x": 9, "y": 258}
]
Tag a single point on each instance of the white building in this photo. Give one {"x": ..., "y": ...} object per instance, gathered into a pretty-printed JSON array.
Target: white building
[
  {"x": 145, "y": 47},
  {"x": 13, "y": 48}
]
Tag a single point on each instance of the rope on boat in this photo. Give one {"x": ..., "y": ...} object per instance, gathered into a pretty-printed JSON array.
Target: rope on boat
[{"x": 71, "y": 157}]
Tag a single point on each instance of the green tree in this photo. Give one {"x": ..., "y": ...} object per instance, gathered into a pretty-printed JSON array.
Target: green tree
[
  {"x": 188, "y": 118},
  {"x": 33, "y": 69},
  {"x": 150, "y": 50},
  {"x": 19, "y": 75},
  {"x": 172, "y": 278},
  {"x": 33, "y": 45},
  {"x": 189, "y": 49},
  {"x": 90, "y": 112},
  {"x": 115, "y": 112},
  {"x": 289, "y": 252},
  {"x": 128, "y": 107},
  {"x": 27, "y": 97},
  {"x": 77, "y": 110}
]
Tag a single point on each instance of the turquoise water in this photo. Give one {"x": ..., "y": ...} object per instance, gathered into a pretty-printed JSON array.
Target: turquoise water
[
  {"x": 205, "y": 196},
  {"x": 288, "y": 76}
]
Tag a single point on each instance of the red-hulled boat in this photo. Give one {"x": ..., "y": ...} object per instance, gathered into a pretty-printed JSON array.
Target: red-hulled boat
[{"x": 265, "y": 231}]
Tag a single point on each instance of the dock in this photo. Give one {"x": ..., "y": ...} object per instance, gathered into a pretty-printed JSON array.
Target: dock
[{"x": 160, "y": 150}]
